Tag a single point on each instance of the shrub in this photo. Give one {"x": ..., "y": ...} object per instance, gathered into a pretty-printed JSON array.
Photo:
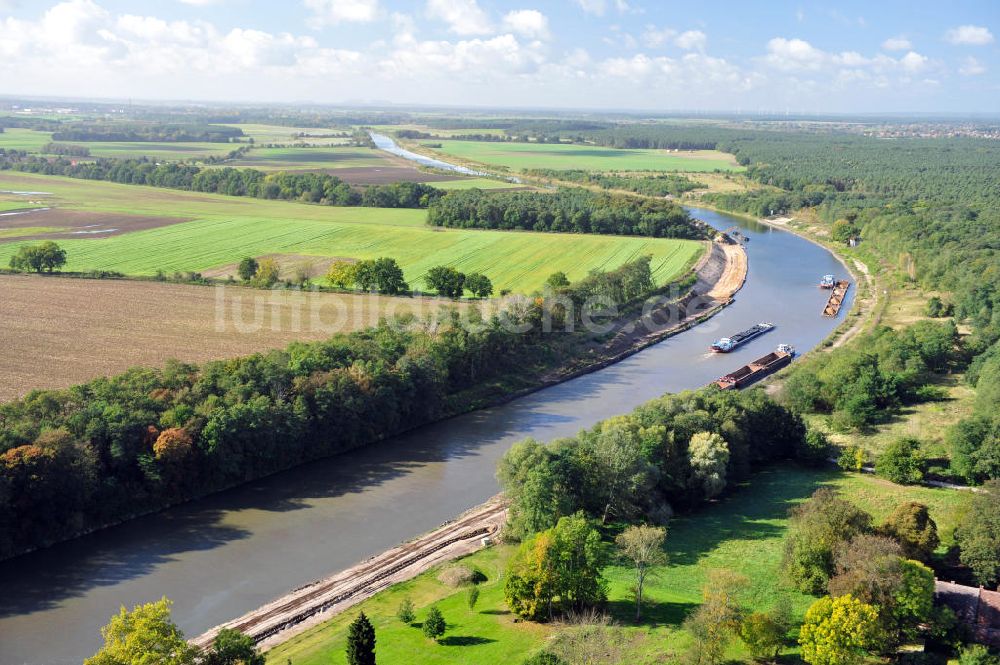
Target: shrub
[
  {"x": 852, "y": 458},
  {"x": 912, "y": 527},
  {"x": 814, "y": 450},
  {"x": 405, "y": 611},
  {"x": 901, "y": 462}
]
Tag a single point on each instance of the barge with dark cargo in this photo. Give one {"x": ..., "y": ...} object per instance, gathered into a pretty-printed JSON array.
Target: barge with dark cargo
[
  {"x": 727, "y": 344},
  {"x": 758, "y": 369}
]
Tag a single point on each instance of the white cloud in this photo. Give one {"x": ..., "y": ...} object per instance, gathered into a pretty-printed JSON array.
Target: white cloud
[
  {"x": 201, "y": 3},
  {"x": 971, "y": 67},
  {"x": 527, "y": 22},
  {"x": 970, "y": 35},
  {"x": 464, "y": 17},
  {"x": 595, "y": 7},
  {"x": 898, "y": 43},
  {"x": 913, "y": 62},
  {"x": 793, "y": 54},
  {"x": 332, "y": 12},
  {"x": 476, "y": 59},
  {"x": 692, "y": 40},
  {"x": 654, "y": 37}
]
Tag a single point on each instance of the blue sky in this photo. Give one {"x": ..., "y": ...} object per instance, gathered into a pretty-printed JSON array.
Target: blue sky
[{"x": 610, "y": 54}]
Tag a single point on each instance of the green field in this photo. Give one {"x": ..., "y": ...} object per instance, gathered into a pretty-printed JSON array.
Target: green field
[
  {"x": 282, "y": 134},
  {"x": 14, "y": 138},
  {"x": 742, "y": 532},
  {"x": 225, "y": 229},
  {"x": 517, "y": 156},
  {"x": 155, "y": 150}
]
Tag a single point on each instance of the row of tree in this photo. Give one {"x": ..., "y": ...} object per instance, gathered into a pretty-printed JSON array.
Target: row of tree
[
  {"x": 569, "y": 210},
  {"x": 319, "y": 188}
]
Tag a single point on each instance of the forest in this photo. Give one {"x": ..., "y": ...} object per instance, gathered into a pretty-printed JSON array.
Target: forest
[
  {"x": 319, "y": 188},
  {"x": 146, "y": 131},
  {"x": 568, "y": 210}
]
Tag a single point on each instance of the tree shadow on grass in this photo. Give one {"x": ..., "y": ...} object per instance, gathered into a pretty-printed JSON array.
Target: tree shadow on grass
[
  {"x": 464, "y": 640},
  {"x": 749, "y": 512},
  {"x": 496, "y": 612},
  {"x": 653, "y": 613}
]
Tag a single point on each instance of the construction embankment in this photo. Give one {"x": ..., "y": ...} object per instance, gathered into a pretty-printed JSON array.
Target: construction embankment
[{"x": 313, "y": 603}]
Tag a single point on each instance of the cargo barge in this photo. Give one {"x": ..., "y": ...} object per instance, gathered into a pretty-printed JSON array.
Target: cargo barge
[
  {"x": 727, "y": 344},
  {"x": 758, "y": 369},
  {"x": 836, "y": 298}
]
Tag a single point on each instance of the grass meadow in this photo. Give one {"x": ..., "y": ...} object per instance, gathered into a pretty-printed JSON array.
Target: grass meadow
[
  {"x": 517, "y": 156},
  {"x": 744, "y": 532},
  {"x": 222, "y": 230}
]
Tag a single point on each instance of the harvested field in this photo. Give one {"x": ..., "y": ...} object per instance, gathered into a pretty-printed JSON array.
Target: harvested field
[
  {"x": 381, "y": 175},
  {"x": 65, "y": 224},
  {"x": 58, "y": 331}
]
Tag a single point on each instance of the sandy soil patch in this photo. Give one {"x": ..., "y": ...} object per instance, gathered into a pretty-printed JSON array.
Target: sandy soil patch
[{"x": 58, "y": 331}]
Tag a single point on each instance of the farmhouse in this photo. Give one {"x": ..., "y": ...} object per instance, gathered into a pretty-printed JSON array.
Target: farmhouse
[{"x": 977, "y": 608}]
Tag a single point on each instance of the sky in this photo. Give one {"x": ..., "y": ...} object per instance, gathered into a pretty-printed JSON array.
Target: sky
[{"x": 643, "y": 55}]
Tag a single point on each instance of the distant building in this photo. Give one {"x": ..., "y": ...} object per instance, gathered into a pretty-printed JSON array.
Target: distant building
[{"x": 977, "y": 608}]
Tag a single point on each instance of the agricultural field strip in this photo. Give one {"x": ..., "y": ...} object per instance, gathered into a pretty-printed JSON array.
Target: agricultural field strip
[
  {"x": 226, "y": 228},
  {"x": 596, "y": 158}
]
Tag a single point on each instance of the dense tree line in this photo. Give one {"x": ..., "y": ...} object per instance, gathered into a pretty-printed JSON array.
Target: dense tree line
[
  {"x": 647, "y": 184},
  {"x": 67, "y": 149},
  {"x": 868, "y": 380},
  {"x": 319, "y": 188},
  {"x": 569, "y": 210},
  {"x": 146, "y": 131},
  {"x": 671, "y": 453}
]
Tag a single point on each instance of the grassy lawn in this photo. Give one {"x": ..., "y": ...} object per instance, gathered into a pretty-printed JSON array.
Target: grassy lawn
[
  {"x": 224, "y": 229},
  {"x": 518, "y": 156},
  {"x": 742, "y": 532}
]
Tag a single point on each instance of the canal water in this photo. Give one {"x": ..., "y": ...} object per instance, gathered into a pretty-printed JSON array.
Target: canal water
[{"x": 224, "y": 555}]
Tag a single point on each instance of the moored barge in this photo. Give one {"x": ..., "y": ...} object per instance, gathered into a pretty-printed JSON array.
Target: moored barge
[
  {"x": 758, "y": 369},
  {"x": 836, "y": 298}
]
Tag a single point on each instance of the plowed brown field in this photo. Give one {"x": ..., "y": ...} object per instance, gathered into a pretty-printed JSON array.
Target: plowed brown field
[{"x": 58, "y": 331}]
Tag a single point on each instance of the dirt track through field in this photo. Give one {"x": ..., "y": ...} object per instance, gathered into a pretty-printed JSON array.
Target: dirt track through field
[
  {"x": 59, "y": 331},
  {"x": 316, "y": 602}
]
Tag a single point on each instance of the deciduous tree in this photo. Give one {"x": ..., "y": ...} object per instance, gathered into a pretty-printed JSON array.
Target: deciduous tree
[
  {"x": 839, "y": 631},
  {"x": 643, "y": 547},
  {"x": 144, "y": 635}
]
